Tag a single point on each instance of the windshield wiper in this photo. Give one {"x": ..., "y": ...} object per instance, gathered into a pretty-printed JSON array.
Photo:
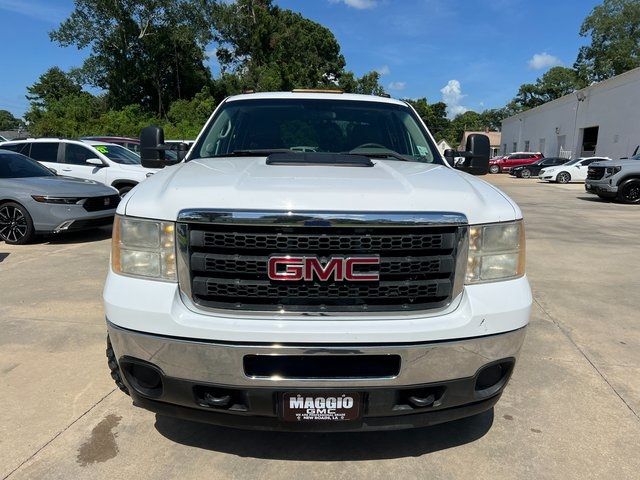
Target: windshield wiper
[
  {"x": 389, "y": 154},
  {"x": 260, "y": 152}
]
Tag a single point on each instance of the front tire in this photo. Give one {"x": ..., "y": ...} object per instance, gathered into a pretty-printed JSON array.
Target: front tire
[
  {"x": 114, "y": 368},
  {"x": 124, "y": 190},
  {"x": 494, "y": 169},
  {"x": 563, "y": 177},
  {"x": 16, "y": 225},
  {"x": 525, "y": 173},
  {"x": 629, "y": 192}
]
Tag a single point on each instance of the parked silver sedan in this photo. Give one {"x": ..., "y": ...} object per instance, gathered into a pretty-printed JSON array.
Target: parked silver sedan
[{"x": 34, "y": 200}]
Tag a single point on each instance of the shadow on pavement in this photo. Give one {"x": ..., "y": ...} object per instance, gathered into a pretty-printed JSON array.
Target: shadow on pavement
[
  {"x": 325, "y": 446},
  {"x": 84, "y": 236},
  {"x": 595, "y": 199}
]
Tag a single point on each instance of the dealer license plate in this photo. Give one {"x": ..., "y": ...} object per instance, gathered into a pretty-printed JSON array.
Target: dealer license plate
[{"x": 320, "y": 407}]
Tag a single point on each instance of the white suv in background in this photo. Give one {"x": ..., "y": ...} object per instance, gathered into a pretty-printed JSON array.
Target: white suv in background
[
  {"x": 572, "y": 171},
  {"x": 103, "y": 162}
]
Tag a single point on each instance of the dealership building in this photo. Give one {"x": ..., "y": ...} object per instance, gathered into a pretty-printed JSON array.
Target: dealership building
[{"x": 602, "y": 119}]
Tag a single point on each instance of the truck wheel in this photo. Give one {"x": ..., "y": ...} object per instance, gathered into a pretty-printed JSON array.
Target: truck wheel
[
  {"x": 114, "y": 368},
  {"x": 629, "y": 192},
  {"x": 16, "y": 225},
  {"x": 525, "y": 173},
  {"x": 124, "y": 190},
  {"x": 563, "y": 177},
  {"x": 494, "y": 169}
]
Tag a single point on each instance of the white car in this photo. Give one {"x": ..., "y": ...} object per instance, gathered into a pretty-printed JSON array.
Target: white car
[
  {"x": 572, "y": 171},
  {"x": 106, "y": 163}
]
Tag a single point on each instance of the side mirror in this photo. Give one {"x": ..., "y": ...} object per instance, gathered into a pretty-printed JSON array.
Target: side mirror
[
  {"x": 478, "y": 151},
  {"x": 450, "y": 156},
  {"x": 95, "y": 161},
  {"x": 153, "y": 148}
]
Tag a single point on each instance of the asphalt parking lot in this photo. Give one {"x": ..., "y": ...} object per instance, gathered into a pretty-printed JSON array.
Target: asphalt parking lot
[{"x": 571, "y": 411}]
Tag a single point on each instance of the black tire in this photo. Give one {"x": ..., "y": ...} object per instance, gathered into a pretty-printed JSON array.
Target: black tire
[
  {"x": 563, "y": 177},
  {"x": 494, "y": 169},
  {"x": 114, "y": 368},
  {"x": 124, "y": 190},
  {"x": 629, "y": 191},
  {"x": 525, "y": 173},
  {"x": 16, "y": 225}
]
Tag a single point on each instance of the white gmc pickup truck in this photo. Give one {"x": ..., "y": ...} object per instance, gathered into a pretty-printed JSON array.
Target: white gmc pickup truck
[{"x": 315, "y": 264}]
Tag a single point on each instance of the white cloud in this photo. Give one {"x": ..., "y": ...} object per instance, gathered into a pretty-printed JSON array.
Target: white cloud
[
  {"x": 35, "y": 10},
  {"x": 543, "y": 60},
  {"x": 358, "y": 4},
  {"x": 397, "y": 85},
  {"x": 452, "y": 95},
  {"x": 384, "y": 70}
]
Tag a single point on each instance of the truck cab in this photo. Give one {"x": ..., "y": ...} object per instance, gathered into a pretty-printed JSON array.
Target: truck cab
[{"x": 314, "y": 263}]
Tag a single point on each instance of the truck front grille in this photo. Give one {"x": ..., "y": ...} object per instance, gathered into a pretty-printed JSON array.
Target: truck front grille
[
  {"x": 595, "y": 173},
  {"x": 224, "y": 265}
]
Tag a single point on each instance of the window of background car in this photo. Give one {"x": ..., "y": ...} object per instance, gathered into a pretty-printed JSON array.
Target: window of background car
[
  {"x": 17, "y": 147},
  {"x": 329, "y": 126},
  {"x": 77, "y": 154},
  {"x": 118, "y": 154},
  {"x": 14, "y": 165},
  {"x": 44, "y": 152}
]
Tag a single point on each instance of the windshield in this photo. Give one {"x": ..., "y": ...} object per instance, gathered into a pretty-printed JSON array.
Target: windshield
[
  {"x": 573, "y": 162},
  {"x": 15, "y": 165},
  {"x": 326, "y": 126},
  {"x": 119, "y": 154}
]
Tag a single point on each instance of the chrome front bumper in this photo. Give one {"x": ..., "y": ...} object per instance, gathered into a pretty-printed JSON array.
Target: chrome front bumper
[{"x": 223, "y": 363}]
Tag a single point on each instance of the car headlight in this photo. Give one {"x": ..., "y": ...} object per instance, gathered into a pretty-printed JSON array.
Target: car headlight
[
  {"x": 57, "y": 200},
  {"x": 611, "y": 171},
  {"x": 144, "y": 248},
  {"x": 496, "y": 252}
]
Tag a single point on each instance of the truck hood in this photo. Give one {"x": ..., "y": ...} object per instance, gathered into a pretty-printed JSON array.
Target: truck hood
[{"x": 248, "y": 183}]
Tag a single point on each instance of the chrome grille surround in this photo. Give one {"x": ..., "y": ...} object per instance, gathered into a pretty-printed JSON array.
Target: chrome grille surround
[{"x": 327, "y": 231}]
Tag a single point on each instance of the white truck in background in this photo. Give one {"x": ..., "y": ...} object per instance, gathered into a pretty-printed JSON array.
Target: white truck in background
[{"x": 315, "y": 264}]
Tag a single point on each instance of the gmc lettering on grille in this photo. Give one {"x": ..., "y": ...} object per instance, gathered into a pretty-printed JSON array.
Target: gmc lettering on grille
[{"x": 294, "y": 269}]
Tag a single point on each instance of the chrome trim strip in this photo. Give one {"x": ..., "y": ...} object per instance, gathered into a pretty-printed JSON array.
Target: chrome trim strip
[
  {"x": 222, "y": 364},
  {"x": 321, "y": 219}
]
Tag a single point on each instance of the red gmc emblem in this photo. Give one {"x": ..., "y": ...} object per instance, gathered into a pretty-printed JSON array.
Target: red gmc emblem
[{"x": 293, "y": 269}]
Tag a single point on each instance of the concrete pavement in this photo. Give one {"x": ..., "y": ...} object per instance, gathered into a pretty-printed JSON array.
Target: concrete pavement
[{"x": 571, "y": 411}]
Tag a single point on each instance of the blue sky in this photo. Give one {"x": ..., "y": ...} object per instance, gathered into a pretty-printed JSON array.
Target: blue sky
[{"x": 473, "y": 54}]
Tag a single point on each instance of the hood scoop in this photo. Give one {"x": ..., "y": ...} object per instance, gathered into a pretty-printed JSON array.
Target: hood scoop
[{"x": 319, "y": 159}]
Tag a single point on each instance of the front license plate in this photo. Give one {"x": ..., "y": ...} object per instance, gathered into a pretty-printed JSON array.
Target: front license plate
[{"x": 320, "y": 407}]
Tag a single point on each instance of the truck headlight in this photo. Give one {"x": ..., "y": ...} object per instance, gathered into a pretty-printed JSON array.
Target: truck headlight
[
  {"x": 496, "y": 252},
  {"x": 611, "y": 171},
  {"x": 144, "y": 248}
]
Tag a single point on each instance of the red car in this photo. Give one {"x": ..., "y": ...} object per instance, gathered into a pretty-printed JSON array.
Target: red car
[{"x": 506, "y": 163}]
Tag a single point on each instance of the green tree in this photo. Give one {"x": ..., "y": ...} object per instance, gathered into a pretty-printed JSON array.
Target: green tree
[
  {"x": 433, "y": 115},
  {"x": 187, "y": 117},
  {"x": 8, "y": 121},
  {"x": 614, "y": 28},
  {"x": 51, "y": 87},
  {"x": 367, "y": 84},
  {"x": 555, "y": 83},
  {"x": 270, "y": 48},
  {"x": 69, "y": 116},
  {"x": 142, "y": 51}
]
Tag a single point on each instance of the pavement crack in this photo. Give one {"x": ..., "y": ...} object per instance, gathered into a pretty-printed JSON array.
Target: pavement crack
[
  {"x": 58, "y": 434},
  {"x": 585, "y": 356}
]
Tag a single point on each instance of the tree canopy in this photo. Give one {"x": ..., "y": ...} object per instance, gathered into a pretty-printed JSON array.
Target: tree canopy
[
  {"x": 147, "y": 52},
  {"x": 614, "y": 29},
  {"x": 148, "y": 63}
]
